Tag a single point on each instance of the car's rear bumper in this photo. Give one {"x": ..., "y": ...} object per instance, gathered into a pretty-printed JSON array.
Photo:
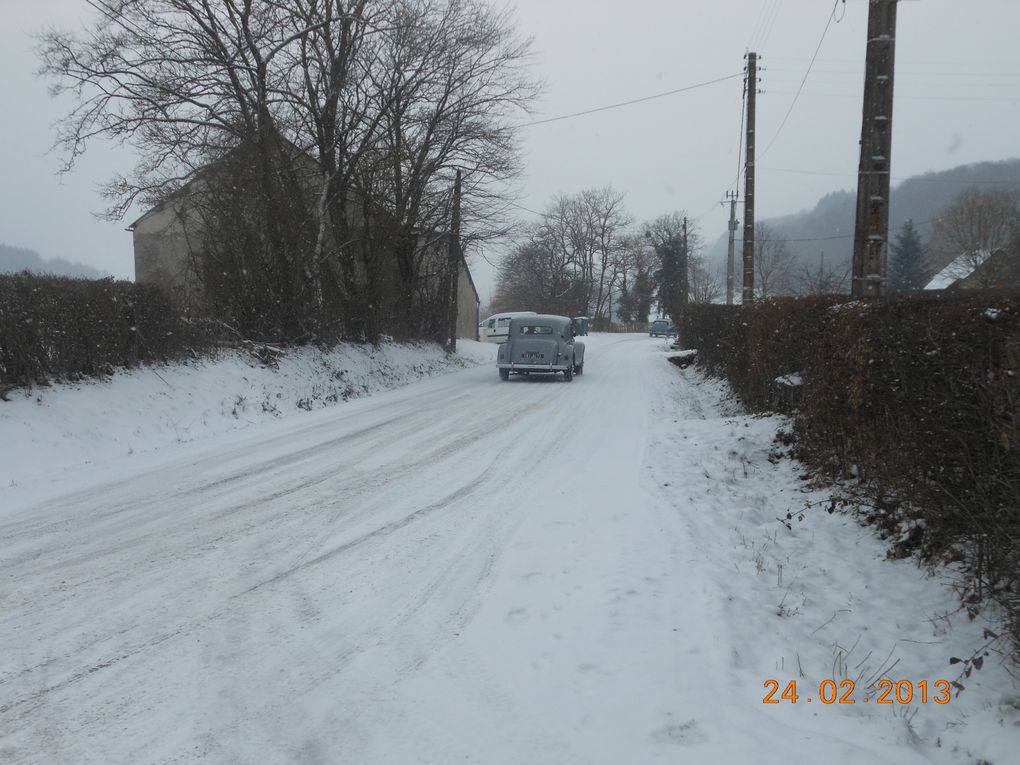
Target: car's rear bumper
[{"x": 513, "y": 367}]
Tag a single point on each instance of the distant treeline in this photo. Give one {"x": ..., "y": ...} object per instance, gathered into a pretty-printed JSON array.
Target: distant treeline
[
  {"x": 824, "y": 234},
  {"x": 14, "y": 260}
]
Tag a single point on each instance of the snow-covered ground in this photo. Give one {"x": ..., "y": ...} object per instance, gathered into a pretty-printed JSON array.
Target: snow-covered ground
[
  {"x": 51, "y": 429},
  {"x": 454, "y": 570}
]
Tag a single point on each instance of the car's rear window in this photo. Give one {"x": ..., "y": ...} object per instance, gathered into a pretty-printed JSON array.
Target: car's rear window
[{"x": 535, "y": 329}]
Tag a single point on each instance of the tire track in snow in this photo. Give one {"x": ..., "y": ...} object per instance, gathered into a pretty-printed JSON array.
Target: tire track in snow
[{"x": 360, "y": 485}]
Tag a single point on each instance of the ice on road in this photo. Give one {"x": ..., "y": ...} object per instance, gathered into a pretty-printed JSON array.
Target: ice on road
[{"x": 468, "y": 570}]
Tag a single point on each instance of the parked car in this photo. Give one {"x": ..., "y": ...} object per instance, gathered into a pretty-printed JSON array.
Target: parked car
[
  {"x": 495, "y": 329},
  {"x": 581, "y": 324},
  {"x": 540, "y": 344},
  {"x": 661, "y": 327}
]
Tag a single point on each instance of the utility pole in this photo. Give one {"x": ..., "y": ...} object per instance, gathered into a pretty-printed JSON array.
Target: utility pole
[
  {"x": 732, "y": 196},
  {"x": 453, "y": 269},
  {"x": 871, "y": 230},
  {"x": 685, "y": 279},
  {"x": 752, "y": 90}
]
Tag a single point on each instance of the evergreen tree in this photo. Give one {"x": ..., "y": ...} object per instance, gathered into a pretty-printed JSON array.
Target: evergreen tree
[
  {"x": 644, "y": 295},
  {"x": 626, "y": 305},
  {"x": 906, "y": 260},
  {"x": 670, "y": 252},
  {"x": 666, "y": 236}
]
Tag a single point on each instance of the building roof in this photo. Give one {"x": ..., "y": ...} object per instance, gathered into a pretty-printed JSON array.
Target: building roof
[{"x": 961, "y": 267}]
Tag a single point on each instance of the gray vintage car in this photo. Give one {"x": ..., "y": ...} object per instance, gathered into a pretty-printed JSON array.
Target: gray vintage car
[{"x": 540, "y": 344}]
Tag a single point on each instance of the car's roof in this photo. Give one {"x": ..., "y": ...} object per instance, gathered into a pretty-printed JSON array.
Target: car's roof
[{"x": 540, "y": 317}]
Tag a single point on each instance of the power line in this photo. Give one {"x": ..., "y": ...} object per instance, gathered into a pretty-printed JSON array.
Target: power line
[
  {"x": 632, "y": 102},
  {"x": 758, "y": 27},
  {"x": 763, "y": 27},
  {"x": 740, "y": 142},
  {"x": 917, "y": 178},
  {"x": 526, "y": 209},
  {"x": 847, "y": 236},
  {"x": 771, "y": 26},
  {"x": 711, "y": 209},
  {"x": 793, "y": 103},
  {"x": 857, "y": 72},
  {"x": 821, "y": 238},
  {"x": 850, "y": 236},
  {"x": 960, "y": 99}
]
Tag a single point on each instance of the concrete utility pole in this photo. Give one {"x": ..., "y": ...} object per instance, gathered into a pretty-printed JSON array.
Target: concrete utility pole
[
  {"x": 453, "y": 268},
  {"x": 732, "y": 196},
  {"x": 871, "y": 230},
  {"x": 752, "y": 90}
]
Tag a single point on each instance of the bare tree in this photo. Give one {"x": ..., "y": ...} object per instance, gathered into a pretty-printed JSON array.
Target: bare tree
[
  {"x": 636, "y": 285},
  {"x": 539, "y": 275},
  {"x": 705, "y": 286},
  {"x": 183, "y": 80},
  {"x": 385, "y": 99},
  {"x": 562, "y": 281},
  {"x": 823, "y": 279},
  {"x": 773, "y": 262},
  {"x": 337, "y": 116},
  {"x": 452, "y": 75},
  {"x": 599, "y": 222},
  {"x": 205, "y": 92},
  {"x": 585, "y": 234}
]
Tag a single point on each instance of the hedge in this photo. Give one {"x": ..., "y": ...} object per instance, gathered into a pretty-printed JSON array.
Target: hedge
[
  {"x": 913, "y": 397},
  {"x": 63, "y": 328}
]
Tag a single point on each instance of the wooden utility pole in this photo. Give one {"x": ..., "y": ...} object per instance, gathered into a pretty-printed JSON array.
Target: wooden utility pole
[
  {"x": 453, "y": 269},
  {"x": 685, "y": 275},
  {"x": 752, "y": 90},
  {"x": 871, "y": 230},
  {"x": 732, "y": 196}
]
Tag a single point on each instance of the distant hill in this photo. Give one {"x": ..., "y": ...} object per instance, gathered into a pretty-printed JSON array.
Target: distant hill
[
  {"x": 829, "y": 227},
  {"x": 16, "y": 259}
]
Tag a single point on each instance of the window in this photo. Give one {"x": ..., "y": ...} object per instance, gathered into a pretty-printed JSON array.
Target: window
[{"x": 535, "y": 329}]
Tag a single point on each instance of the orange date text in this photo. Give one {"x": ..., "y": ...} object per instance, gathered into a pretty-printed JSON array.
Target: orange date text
[{"x": 885, "y": 691}]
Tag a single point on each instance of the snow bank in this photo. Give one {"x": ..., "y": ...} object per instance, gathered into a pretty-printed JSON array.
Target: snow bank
[
  {"x": 811, "y": 596},
  {"x": 147, "y": 408}
]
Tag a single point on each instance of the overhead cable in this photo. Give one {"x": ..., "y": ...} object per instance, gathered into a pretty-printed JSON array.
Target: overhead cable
[
  {"x": 900, "y": 179},
  {"x": 832, "y": 15},
  {"x": 632, "y": 102}
]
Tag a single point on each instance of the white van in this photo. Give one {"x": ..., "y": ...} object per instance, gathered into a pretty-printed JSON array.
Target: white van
[{"x": 496, "y": 329}]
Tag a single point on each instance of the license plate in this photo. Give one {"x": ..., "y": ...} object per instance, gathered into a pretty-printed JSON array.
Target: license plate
[{"x": 532, "y": 355}]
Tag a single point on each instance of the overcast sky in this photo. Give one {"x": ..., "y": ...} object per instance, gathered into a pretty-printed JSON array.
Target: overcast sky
[{"x": 957, "y": 100}]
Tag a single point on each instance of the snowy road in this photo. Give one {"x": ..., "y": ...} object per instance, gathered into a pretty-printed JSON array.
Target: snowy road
[{"x": 462, "y": 570}]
